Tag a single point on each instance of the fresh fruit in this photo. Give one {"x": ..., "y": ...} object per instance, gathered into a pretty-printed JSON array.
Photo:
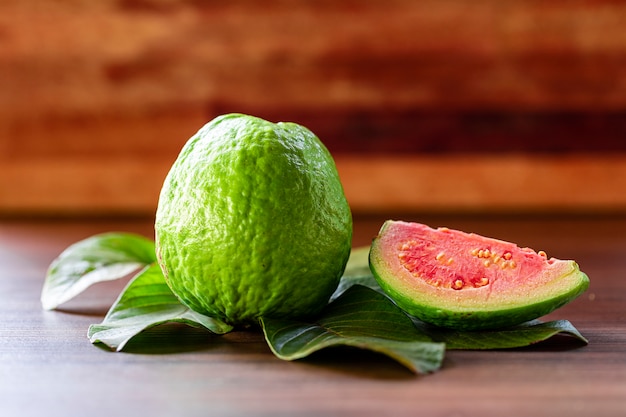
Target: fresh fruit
[
  {"x": 253, "y": 222},
  {"x": 469, "y": 282}
]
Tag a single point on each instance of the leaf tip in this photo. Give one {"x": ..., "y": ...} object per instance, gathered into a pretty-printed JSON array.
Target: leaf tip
[{"x": 47, "y": 303}]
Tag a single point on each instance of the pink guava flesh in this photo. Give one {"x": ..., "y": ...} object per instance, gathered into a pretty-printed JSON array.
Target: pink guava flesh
[{"x": 463, "y": 280}]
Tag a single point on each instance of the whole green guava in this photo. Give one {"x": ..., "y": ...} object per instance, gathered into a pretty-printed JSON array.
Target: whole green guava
[{"x": 252, "y": 221}]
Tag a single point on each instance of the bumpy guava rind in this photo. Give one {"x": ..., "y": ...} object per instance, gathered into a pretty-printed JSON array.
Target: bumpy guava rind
[
  {"x": 252, "y": 221},
  {"x": 475, "y": 308}
]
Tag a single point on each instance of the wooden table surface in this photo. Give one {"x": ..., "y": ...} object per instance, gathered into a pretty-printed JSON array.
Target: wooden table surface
[{"x": 49, "y": 367}]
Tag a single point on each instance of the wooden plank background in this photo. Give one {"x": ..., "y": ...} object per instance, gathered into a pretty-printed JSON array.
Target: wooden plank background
[{"x": 426, "y": 105}]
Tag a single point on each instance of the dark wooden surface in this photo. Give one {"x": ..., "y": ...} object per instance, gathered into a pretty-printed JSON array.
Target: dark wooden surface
[{"x": 48, "y": 367}]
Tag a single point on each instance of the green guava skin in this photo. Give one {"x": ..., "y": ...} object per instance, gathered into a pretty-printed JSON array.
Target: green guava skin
[
  {"x": 253, "y": 222},
  {"x": 443, "y": 308},
  {"x": 490, "y": 318}
]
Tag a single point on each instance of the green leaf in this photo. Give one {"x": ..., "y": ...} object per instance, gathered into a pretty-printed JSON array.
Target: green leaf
[
  {"x": 147, "y": 301},
  {"x": 357, "y": 272},
  {"x": 99, "y": 258},
  {"x": 361, "y": 318},
  {"x": 358, "y": 263},
  {"x": 519, "y": 336}
]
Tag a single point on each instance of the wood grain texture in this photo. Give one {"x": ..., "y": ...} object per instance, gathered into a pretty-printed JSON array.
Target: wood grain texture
[
  {"x": 97, "y": 98},
  {"x": 121, "y": 185},
  {"x": 49, "y": 367},
  {"x": 134, "y": 56}
]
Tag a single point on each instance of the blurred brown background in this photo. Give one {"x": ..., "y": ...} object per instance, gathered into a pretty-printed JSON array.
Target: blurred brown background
[{"x": 472, "y": 106}]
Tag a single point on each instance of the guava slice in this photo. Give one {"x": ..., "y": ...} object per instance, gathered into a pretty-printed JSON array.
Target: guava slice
[{"x": 465, "y": 281}]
